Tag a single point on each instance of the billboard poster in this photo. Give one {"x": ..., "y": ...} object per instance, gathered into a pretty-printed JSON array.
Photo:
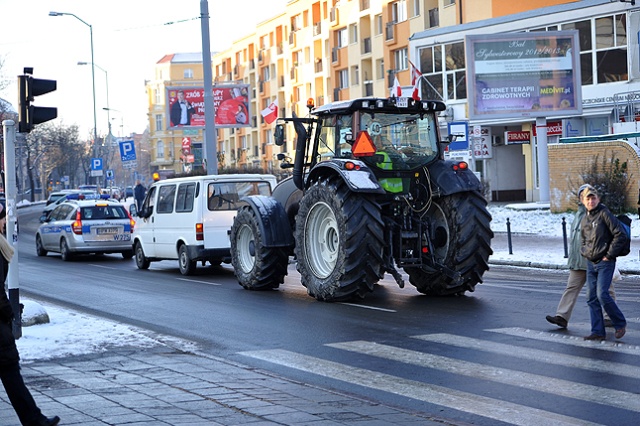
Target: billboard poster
[
  {"x": 185, "y": 106},
  {"x": 535, "y": 74}
]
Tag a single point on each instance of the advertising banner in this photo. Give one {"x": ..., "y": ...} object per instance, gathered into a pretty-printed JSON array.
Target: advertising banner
[
  {"x": 534, "y": 74},
  {"x": 185, "y": 106}
]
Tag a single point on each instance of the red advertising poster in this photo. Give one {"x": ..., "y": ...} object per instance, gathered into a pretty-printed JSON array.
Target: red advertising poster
[
  {"x": 230, "y": 102},
  {"x": 186, "y": 107}
]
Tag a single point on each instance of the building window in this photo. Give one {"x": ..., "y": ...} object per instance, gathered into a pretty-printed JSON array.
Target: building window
[
  {"x": 156, "y": 96},
  {"x": 341, "y": 37},
  {"x": 449, "y": 2},
  {"x": 400, "y": 58},
  {"x": 160, "y": 150},
  {"x": 434, "y": 18},
  {"x": 455, "y": 71},
  {"x": 159, "y": 123},
  {"x": 611, "y": 49},
  {"x": 353, "y": 33},
  {"x": 415, "y": 10},
  {"x": 344, "y": 78},
  {"x": 586, "y": 49},
  {"x": 355, "y": 75},
  {"x": 399, "y": 11},
  {"x": 188, "y": 74},
  {"x": 266, "y": 74},
  {"x": 378, "y": 24},
  {"x": 380, "y": 68}
]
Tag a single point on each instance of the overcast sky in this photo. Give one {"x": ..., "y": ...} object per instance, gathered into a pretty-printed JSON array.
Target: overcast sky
[{"x": 129, "y": 37}]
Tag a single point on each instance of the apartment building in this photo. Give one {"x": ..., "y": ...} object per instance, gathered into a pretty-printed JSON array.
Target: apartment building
[{"x": 323, "y": 50}]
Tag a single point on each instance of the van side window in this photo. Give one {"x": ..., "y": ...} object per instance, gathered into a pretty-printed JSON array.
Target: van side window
[
  {"x": 222, "y": 196},
  {"x": 166, "y": 194},
  {"x": 186, "y": 195}
]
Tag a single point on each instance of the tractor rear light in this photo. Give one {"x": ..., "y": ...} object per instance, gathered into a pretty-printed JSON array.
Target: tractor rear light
[
  {"x": 462, "y": 165},
  {"x": 349, "y": 165},
  {"x": 76, "y": 226},
  {"x": 425, "y": 250},
  {"x": 199, "y": 232}
]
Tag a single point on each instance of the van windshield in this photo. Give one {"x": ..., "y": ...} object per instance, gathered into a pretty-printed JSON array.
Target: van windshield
[{"x": 225, "y": 196}]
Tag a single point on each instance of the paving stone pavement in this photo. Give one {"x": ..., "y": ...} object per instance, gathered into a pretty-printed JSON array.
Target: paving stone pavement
[{"x": 167, "y": 386}]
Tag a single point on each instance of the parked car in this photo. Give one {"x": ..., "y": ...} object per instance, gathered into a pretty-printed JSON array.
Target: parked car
[
  {"x": 188, "y": 219},
  {"x": 86, "y": 226},
  {"x": 71, "y": 194}
]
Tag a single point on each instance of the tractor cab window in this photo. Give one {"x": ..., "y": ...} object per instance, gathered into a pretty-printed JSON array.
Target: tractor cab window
[
  {"x": 408, "y": 140},
  {"x": 336, "y": 137}
]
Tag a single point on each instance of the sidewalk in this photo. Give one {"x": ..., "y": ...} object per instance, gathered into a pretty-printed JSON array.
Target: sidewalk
[{"x": 167, "y": 385}]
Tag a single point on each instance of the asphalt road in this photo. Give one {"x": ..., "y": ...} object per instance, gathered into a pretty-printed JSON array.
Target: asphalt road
[{"x": 460, "y": 358}]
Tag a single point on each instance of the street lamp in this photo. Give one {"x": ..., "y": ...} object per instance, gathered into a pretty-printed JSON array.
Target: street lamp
[
  {"x": 121, "y": 119},
  {"x": 93, "y": 76},
  {"x": 106, "y": 77}
]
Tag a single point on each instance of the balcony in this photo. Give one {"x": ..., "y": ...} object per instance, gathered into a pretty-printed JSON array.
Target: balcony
[
  {"x": 366, "y": 45},
  {"x": 318, "y": 65},
  {"x": 292, "y": 38},
  {"x": 364, "y": 5},
  {"x": 336, "y": 94},
  {"x": 252, "y": 64},
  {"x": 280, "y": 49},
  {"x": 368, "y": 88},
  {"x": 334, "y": 55},
  {"x": 390, "y": 31},
  {"x": 317, "y": 28}
]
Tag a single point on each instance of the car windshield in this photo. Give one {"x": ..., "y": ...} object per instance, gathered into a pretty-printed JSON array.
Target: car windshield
[{"x": 103, "y": 212}]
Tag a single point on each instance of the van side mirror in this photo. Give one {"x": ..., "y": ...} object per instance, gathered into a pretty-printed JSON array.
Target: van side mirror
[{"x": 278, "y": 134}]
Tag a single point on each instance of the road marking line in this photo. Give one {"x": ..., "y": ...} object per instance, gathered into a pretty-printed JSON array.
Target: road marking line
[
  {"x": 568, "y": 340},
  {"x": 197, "y": 281},
  {"x": 368, "y": 307},
  {"x": 533, "y": 354},
  {"x": 491, "y": 408},
  {"x": 521, "y": 379}
]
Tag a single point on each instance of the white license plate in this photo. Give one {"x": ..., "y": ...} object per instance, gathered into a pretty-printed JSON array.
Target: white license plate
[
  {"x": 402, "y": 102},
  {"x": 106, "y": 231}
]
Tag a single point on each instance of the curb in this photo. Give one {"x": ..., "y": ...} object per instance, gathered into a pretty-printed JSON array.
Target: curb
[{"x": 525, "y": 264}]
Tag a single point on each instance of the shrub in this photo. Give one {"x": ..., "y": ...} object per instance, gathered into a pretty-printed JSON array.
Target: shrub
[{"x": 611, "y": 178}]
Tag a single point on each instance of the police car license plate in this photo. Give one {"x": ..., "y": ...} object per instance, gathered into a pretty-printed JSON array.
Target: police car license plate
[{"x": 106, "y": 231}]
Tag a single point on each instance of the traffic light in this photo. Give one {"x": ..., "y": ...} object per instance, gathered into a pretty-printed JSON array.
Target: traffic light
[{"x": 28, "y": 89}]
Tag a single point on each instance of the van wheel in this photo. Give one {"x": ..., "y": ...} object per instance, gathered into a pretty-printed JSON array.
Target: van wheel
[
  {"x": 187, "y": 266},
  {"x": 141, "y": 260},
  {"x": 65, "y": 253}
]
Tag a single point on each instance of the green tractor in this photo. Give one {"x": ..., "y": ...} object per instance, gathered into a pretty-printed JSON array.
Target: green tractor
[{"x": 370, "y": 193}]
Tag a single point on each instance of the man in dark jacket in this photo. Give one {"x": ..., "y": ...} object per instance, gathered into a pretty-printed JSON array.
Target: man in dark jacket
[
  {"x": 139, "y": 191},
  {"x": 602, "y": 241}
]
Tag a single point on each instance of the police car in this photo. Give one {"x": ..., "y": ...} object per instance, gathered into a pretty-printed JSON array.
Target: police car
[{"x": 86, "y": 226}]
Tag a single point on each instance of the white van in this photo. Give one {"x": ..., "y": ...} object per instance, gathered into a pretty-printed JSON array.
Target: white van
[{"x": 188, "y": 219}]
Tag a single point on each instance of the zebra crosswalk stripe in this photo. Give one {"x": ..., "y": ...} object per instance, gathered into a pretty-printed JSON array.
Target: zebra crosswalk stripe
[
  {"x": 568, "y": 340},
  {"x": 560, "y": 387},
  {"x": 503, "y": 411},
  {"x": 532, "y": 354}
]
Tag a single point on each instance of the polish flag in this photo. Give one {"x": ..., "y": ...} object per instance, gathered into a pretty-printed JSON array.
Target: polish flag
[
  {"x": 396, "y": 90},
  {"x": 415, "y": 81},
  {"x": 270, "y": 113}
]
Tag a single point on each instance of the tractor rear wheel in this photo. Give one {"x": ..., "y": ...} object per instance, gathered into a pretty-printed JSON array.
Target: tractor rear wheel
[
  {"x": 461, "y": 238},
  {"x": 339, "y": 241},
  {"x": 256, "y": 267}
]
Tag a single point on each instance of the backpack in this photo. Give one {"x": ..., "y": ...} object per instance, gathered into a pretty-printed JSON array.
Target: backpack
[{"x": 625, "y": 222}]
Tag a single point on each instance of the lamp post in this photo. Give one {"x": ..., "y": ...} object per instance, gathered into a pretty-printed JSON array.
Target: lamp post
[
  {"x": 93, "y": 78},
  {"x": 121, "y": 119},
  {"x": 106, "y": 78}
]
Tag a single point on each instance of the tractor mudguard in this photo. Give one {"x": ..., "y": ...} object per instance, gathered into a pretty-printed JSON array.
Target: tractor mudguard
[
  {"x": 446, "y": 181},
  {"x": 274, "y": 223},
  {"x": 360, "y": 180}
]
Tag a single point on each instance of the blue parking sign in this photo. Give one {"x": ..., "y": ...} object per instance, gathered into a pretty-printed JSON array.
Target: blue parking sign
[
  {"x": 127, "y": 150},
  {"x": 96, "y": 164}
]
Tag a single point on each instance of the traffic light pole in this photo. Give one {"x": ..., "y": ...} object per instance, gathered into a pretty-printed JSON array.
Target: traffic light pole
[{"x": 11, "y": 190}]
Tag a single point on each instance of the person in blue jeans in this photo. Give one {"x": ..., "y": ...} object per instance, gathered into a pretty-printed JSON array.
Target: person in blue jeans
[{"x": 603, "y": 239}]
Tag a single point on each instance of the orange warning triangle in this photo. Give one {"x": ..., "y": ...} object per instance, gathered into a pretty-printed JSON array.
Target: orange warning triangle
[{"x": 363, "y": 146}]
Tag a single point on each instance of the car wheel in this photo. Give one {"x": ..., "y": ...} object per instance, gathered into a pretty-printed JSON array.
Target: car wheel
[
  {"x": 40, "y": 251},
  {"x": 65, "y": 253}
]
